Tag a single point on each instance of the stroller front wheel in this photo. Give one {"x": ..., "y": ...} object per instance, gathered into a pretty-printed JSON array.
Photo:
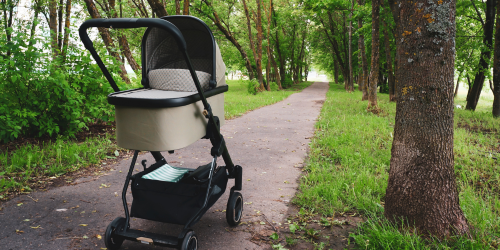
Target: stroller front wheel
[
  {"x": 190, "y": 241},
  {"x": 234, "y": 209},
  {"x": 112, "y": 241}
]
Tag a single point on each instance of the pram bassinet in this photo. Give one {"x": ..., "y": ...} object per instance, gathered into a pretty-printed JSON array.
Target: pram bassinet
[{"x": 181, "y": 101}]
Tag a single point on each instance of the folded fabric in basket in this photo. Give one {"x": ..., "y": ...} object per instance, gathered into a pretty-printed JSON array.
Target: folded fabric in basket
[{"x": 166, "y": 173}]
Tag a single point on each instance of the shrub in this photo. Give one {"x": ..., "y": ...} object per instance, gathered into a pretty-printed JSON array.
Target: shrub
[
  {"x": 273, "y": 86},
  {"x": 253, "y": 86},
  {"x": 40, "y": 96},
  {"x": 287, "y": 83}
]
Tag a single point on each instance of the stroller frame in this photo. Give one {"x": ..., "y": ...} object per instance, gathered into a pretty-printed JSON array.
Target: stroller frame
[{"x": 119, "y": 230}]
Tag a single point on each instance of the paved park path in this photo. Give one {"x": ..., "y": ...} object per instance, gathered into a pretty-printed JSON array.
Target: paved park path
[{"x": 270, "y": 144}]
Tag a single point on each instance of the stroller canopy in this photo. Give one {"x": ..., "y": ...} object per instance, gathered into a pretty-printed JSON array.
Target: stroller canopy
[{"x": 163, "y": 63}]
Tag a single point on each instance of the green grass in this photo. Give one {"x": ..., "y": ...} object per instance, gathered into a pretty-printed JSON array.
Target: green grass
[
  {"x": 348, "y": 165},
  {"x": 21, "y": 167},
  {"x": 238, "y": 101}
]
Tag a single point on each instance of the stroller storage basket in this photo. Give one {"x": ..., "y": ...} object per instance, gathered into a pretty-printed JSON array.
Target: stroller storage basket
[{"x": 172, "y": 202}]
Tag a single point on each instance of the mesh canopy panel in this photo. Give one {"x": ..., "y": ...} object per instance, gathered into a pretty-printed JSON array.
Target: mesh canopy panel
[{"x": 162, "y": 52}]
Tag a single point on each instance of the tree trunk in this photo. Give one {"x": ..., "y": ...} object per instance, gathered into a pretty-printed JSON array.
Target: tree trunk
[
  {"x": 422, "y": 191},
  {"x": 186, "y": 7},
  {"x": 372, "y": 89},
  {"x": 53, "y": 27},
  {"x": 158, "y": 8},
  {"x": 60, "y": 24},
  {"x": 496, "y": 67},
  {"x": 360, "y": 59},
  {"x": 106, "y": 38},
  {"x": 388, "y": 58},
  {"x": 364, "y": 63},
  {"x": 258, "y": 60},
  {"x": 483, "y": 66},
  {"x": 122, "y": 40},
  {"x": 458, "y": 83},
  {"x": 34, "y": 23},
  {"x": 351, "y": 80},
  {"x": 336, "y": 71},
  {"x": 67, "y": 23},
  {"x": 177, "y": 7}
]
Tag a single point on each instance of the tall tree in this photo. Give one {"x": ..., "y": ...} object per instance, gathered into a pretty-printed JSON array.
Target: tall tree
[
  {"x": 422, "y": 189},
  {"x": 158, "y": 8},
  {"x": 496, "y": 67},
  {"x": 224, "y": 27},
  {"x": 257, "y": 48},
  {"x": 488, "y": 26},
  {"x": 363, "y": 79},
  {"x": 106, "y": 37},
  {"x": 53, "y": 27},
  {"x": 186, "y": 7},
  {"x": 374, "y": 74},
  {"x": 388, "y": 58},
  {"x": 177, "y": 7},
  {"x": 351, "y": 79}
]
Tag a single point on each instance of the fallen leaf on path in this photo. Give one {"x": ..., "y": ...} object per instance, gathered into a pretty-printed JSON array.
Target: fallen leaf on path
[
  {"x": 19, "y": 204},
  {"x": 83, "y": 225},
  {"x": 19, "y": 231},
  {"x": 37, "y": 227},
  {"x": 61, "y": 210},
  {"x": 85, "y": 237},
  {"x": 98, "y": 236},
  {"x": 26, "y": 220},
  {"x": 247, "y": 203}
]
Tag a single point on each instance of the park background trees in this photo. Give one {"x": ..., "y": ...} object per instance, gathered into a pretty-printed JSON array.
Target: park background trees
[{"x": 50, "y": 86}]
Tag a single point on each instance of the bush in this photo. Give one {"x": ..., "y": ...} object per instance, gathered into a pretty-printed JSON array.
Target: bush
[
  {"x": 253, "y": 86},
  {"x": 40, "y": 96},
  {"x": 273, "y": 86},
  {"x": 287, "y": 83}
]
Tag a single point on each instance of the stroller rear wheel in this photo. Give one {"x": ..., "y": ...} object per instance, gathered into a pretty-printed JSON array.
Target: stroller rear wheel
[
  {"x": 110, "y": 239},
  {"x": 190, "y": 241},
  {"x": 234, "y": 209}
]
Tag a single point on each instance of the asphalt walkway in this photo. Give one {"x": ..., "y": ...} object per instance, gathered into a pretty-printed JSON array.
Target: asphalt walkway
[{"x": 270, "y": 144}]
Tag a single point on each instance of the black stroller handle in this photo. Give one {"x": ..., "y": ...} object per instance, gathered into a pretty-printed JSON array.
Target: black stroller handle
[{"x": 125, "y": 23}]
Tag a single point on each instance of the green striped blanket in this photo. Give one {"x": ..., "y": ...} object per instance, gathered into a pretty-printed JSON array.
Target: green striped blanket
[{"x": 166, "y": 173}]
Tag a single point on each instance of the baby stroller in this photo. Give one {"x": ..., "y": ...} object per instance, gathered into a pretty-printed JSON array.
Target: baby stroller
[{"x": 181, "y": 101}]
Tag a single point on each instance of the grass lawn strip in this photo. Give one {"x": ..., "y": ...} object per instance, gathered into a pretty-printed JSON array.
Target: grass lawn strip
[
  {"x": 32, "y": 166},
  {"x": 348, "y": 166}
]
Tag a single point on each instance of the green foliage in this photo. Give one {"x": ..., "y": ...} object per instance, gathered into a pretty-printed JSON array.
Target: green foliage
[
  {"x": 355, "y": 146},
  {"x": 287, "y": 83},
  {"x": 273, "y": 86},
  {"x": 252, "y": 86},
  {"x": 40, "y": 96}
]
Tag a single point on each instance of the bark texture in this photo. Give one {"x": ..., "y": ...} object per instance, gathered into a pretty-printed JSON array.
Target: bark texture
[
  {"x": 496, "y": 67},
  {"x": 372, "y": 87},
  {"x": 53, "y": 27},
  {"x": 186, "y": 7},
  {"x": 422, "y": 189},
  {"x": 477, "y": 87},
  {"x": 158, "y": 8}
]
